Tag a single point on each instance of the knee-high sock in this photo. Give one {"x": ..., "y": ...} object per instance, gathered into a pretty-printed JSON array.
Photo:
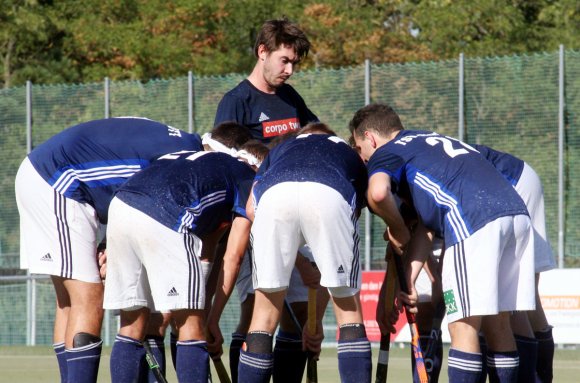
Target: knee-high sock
[
  {"x": 528, "y": 353},
  {"x": 235, "y": 346},
  {"x": 502, "y": 367},
  {"x": 192, "y": 361},
  {"x": 158, "y": 350},
  {"x": 354, "y": 360},
  {"x": 173, "y": 347},
  {"x": 464, "y": 366},
  {"x": 483, "y": 348},
  {"x": 255, "y": 368},
  {"x": 82, "y": 363},
  {"x": 545, "y": 362},
  {"x": 127, "y": 357},
  {"x": 61, "y": 358},
  {"x": 289, "y": 359}
]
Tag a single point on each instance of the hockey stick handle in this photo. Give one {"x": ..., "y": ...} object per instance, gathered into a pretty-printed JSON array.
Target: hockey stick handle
[{"x": 152, "y": 363}]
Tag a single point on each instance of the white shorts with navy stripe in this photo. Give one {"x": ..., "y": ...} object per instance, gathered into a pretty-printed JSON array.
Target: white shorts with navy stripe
[
  {"x": 491, "y": 271},
  {"x": 58, "y": 235},
  {"x": 529, "y": 187},
  {"x": 150, "y": 265},
  {"x": 291, "y": 214}
]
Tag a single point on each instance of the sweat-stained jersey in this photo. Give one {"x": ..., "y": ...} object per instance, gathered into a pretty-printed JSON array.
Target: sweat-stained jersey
[
  {"x": 453, "y": 188},
  {"x": 511, "y": 167},
  {"x": 316, "y": 158},
  {"x": 192, "y": 192},
  {"x": 266, "y": 115},
  {"x": 87, "y": 162}
]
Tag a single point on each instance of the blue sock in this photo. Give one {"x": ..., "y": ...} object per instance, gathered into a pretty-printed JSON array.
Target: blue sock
[
  {"x": 464, "y": 366},
  {"x": 289, "y": 359},
  {"x": 544, "y": 366},
  {"x": 528, "y": 353},
  {"x": 158, "y": 350},
  {"x": 127, "y": 358},
  {"x": 82, "y": 363},
  {"x": 354, "y": 360},
  {"x": 255, "y": 368},
  {"x": 235, "y": 346},
  {"x": 61, "y": 358},
  {"x": 502, "y": 366},
  {"x": 192, "y": 361},
  {"x": 483, "y": 348}
]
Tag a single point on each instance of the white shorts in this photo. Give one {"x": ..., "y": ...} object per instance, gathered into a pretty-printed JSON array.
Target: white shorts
[
  {"x": 150, "y": 265},
  {"x": 491, "y": 271},
  {"x": 529, "y": 187},
  {"x": 58, "y": 235},
  {"x": 297, "y": 291},
  {"x": 291, "y": 214}
]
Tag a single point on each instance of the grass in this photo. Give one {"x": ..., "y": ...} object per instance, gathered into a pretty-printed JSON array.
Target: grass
[{"x": 38, "y": 364}]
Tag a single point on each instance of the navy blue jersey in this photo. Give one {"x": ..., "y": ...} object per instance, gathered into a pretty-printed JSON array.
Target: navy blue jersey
[
  {"x": 266, "y": 115},
  {"x": 87, "y": 162},
  {"x": 452, "y": 187},
  {"x": 317, "y": 158},
  {"x": 509, "y": 166},
  {"x": 193, "y": 192}
]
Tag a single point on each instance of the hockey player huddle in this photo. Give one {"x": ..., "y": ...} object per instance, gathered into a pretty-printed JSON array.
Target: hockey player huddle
[{"x": 189, "y": 218}]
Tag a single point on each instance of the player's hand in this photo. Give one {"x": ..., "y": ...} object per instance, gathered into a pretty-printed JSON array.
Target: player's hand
[
  {"x": 309, "y": 273},
  {"x": 398, "y": 238},
  {"x": 215, "y": 341},
  {"x": 102, "y": 260},
  {"x": 410, "y": 300},
  {"x": 313, "y": 342}
]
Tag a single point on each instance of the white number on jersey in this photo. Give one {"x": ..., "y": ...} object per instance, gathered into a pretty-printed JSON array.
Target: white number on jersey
[{"x": 447, "y": 143}]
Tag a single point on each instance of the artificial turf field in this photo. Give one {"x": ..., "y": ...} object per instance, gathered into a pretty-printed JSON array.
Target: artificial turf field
[{"x": 38, "y": 364}]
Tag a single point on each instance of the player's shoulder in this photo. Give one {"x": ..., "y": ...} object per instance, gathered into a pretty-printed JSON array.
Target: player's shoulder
[{"x": 241, "y": 91}]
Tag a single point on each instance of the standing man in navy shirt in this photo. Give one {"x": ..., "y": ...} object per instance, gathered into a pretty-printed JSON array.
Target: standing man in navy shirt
[
  {"x": 269, "y": 107},
  {"x": 63, "y": 191},
  {"x": 488, "y": 268}
]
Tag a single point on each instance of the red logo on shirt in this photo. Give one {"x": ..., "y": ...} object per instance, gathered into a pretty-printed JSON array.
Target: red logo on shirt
[{"x": 279, "y": 127}]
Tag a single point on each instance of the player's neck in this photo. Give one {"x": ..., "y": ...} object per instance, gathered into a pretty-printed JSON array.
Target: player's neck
[{"x": 258, "y": 81}]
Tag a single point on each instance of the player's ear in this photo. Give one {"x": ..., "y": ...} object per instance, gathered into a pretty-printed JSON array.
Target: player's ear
[
  {"x": 371, "y": 137},
  {"x": 262, "y": 52}
]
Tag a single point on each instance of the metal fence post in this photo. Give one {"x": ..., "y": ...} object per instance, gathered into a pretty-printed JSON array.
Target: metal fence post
[
  {"x": 368, "y": 221},
  {"x": 561, "y": 205},
  {"x": 30, "y": 283},
  {"x": 190, "y": 101},
  {"x": 461, "y": 106},
  {"x": 107, "y": 97},
  {"x": 107, "y": 90}
]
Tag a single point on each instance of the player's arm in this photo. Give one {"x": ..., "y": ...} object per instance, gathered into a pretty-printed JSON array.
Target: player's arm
[
  {"x": 308, "y": 271},
  {"x": 419, "y": 248},
  {"x": 236, "y": 247},
  {"x": 382, "y": 202}
]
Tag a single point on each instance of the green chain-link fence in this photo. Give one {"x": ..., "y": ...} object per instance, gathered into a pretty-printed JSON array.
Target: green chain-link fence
[{"x": 510, "y": 103}]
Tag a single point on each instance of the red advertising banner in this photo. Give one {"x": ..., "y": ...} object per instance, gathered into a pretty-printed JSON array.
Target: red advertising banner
[{"x": 369, "y": 297}]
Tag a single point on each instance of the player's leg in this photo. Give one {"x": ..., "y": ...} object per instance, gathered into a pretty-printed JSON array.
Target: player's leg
[
  {"x": 128, "y": 354},
  {"x": 256, "y": 357},
  {"x": 333, "y": 238},
  {"x": 155, "y": 337},
  {"x": 60, "y": 321},
  {"x": 82, "y": 340},
  {"x": 543, "y": 334},
  {"x": 192, "y": 362},
  {"x": 527, "y": 345},
  {"x": 289, "y": 359}
]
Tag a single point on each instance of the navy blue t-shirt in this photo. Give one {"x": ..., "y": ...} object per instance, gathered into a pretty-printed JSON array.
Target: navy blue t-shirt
[
  {"x": 193, "y": 192},
  {"x": 87, "y": 162},
  {"x": 452, "y": 187},
  {"x": 266, "y": 115},
  {"x": 317, "y": 158},
  {"x": 509, "y": 166}
]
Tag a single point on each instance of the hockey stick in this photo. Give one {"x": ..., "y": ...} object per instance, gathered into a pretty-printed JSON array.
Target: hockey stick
[
  {"x": 383, "y": 362},
  {"x": 415, "y": 345},
  {"x": 221, "y": 371},
  {"x": 153, "y": 364},
  {"x": 312, "y": 365}
]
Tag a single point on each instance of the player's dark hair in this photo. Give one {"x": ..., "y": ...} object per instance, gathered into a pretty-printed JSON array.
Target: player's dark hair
[
  {"x": 317, "y": 127},
  {"x": 231, "y": 134},
  {"x": 378, "y": 117},
  {"x": 256, "y": 148},
  {"x": 282, "y": 32}
]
